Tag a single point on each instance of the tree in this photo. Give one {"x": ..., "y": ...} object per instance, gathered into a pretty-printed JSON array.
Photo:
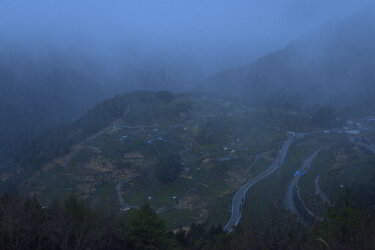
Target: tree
[
  {"x": 168, "y": 168},
  {"x": 348, "y": 226},
  {"x": 144, "y": 229}
]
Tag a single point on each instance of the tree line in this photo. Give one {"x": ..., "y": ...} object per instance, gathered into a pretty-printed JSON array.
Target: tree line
[{"x": 72, "y": 224}]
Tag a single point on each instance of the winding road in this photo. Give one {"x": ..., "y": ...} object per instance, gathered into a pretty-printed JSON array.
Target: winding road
[
  {"x": 293, "y": 190},
  {"x": 240, "y": 195},
  {"x": 363, "y": 142},
  {"x": 292, "y": 195},
  {"x": 293, "y": 186}
]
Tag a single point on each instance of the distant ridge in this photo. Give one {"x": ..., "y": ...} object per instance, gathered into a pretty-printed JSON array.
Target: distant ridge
[{"x": 332, "y": 65}]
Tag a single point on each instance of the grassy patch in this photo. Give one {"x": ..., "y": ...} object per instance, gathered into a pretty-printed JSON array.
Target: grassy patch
[
  {"x": 138, "y": 191},
  {"x": 219, "y": 210},
  {"x": 177, "y": 217}
]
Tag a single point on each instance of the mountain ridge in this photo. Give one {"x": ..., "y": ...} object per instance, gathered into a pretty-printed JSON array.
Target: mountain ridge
[{"x": 331, "y": 65}]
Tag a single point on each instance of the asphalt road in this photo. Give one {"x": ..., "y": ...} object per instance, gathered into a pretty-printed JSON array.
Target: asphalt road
[
  {"x": 293, "y": 187},
  {"x": 240, "y": 195},
  {"x": 363, "y": 142}
]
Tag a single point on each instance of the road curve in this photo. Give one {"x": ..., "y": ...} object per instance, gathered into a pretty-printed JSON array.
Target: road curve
[
  {"x": 293, "y": 188},
  {"x": 363, "y": 142},
  {"x": 240, "y": 195}
]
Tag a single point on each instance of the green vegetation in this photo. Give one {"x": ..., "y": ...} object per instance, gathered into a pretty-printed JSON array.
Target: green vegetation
[
  {"x": 161, "y": 195},
  {"x": 141, "y": 107},
  {"x": 186, "y": 156},
  {"x": 168, "y": 168},
  {"x": 72, "y": 224},
  {"x": 143, "y": 229}
]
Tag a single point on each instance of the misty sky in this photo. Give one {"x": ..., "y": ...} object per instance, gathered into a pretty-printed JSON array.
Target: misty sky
[{"x": 212, "y": 34}]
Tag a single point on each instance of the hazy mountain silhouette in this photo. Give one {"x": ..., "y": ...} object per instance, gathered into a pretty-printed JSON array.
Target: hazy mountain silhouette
[{"x": 330, "y": 65}]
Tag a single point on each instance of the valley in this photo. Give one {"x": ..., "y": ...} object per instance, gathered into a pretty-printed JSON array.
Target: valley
[
  {"x": 228, "y": 152},
  {"x": 187, "y": 125}
]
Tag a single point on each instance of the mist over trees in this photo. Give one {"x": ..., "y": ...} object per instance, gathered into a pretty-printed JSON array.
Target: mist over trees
[
  {"x": 51, "y": 74},
  {"x": 48, "y": 88},
  {"x": 144, "y": 124}
]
